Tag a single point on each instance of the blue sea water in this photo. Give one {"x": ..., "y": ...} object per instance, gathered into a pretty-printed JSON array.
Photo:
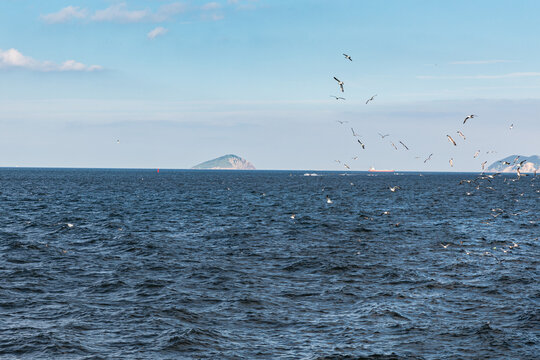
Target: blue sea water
[{"x": 135, "y": 264}]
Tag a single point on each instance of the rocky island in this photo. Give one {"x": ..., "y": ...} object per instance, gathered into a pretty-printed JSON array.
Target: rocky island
[
  {"x": 226, "y": 162},
  {"x": 526, "y": 164}
]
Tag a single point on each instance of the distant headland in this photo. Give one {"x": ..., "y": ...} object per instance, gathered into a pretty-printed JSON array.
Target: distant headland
[
  {"x": 526, "y": 164},
  {"x": 226, "y": 162}
]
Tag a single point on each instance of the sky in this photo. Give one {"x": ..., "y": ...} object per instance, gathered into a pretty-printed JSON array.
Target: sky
[{"x": 169, "y": 84}]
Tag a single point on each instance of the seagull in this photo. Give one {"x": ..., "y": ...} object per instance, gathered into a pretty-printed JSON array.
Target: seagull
[
  {"x": 451, "y": 140},
  {"x": 451, "y": 161},
  {"x": 511, "y": 126},
  {"x": 383, "y": 136},
  {"x": 428, "y": 158},
  {"x": 363, "y": 146},
  {"x": 347, "y": 166},
  {"x": 371, "y": 99},
  {"x": 394, "y": 188},
  {"x": 328, "y": 200},
  {"x": 516, "y": 159},
  {"x": 293, "y": 216},
  {"x": 476, "y": 154},
  {"x": 355, "y": 157},
  {"x": 461, "y": 134},
  {"x": 342, "y": 121},
  {"x": 468, "y": 117},
  {"x": 337, "y": 97},
  {"x": 405, "y": 146},
  {"x": 445, "y": 246},
  {"x": 394, "y": 145},
  {"x": 505, "y": 163},
  {"x": 338, "y": 161},
  {"x": 522, "y": 162},
  {"x": 484, "y": 164},
  {"x": 340, "y": 83},
  {"x": 347, "y": 57},
  {"x": 353, "y": 133}
]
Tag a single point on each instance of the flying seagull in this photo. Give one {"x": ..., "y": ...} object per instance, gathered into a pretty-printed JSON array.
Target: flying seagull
[
  {"x": 342, "y": 121},
  {"x": 394, "y": 145},
  {"x": 328, "y": 200},
  {"x": 451, "y": 161},
  {"x": 484, "y": 164},
  {"x": 461, "y": 134},
  {"x": 428, "y": 158},
  {"x": 371, "y": 99},
  {"x": 337, "y": 97},
  {"x": 394, "y": 188},
  {"x": 405, "y": 146},
  {"x": 383, "y": 136},
  {"x": 353, "y": 133},
  {"x": 476, "y": 154},
  {"x": 469, "y": 117},
  {"x": 340, "y": 83},
  {"x": 505, "y": 163},
  {"x": 451, "y": 140},
  {"x": 347, "y": 166},
  {"x": 511, "y": 126},
  {"x": 363, "y": 146},
  {"x": 347, "y": 57}
]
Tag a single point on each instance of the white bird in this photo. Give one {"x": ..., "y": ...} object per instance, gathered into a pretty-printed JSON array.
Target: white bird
[
  {"x": 328, "y": 200},
  {"x": 371, "y": 99},
  {"x": 461, "y": 134},
  {"x": 468, "y": 117},
  {"x": 451, "y": 161},
  {"x": 337, "y": 97},
  {"x": 383, "y": 136},
  {"x": 347, "y": 166},
  {"x": 394, "y": 145},
  {"x": 293, "y": 216},
  {"x": 342, "y": 121},
  {"x": 347, "y": 57},
  {"x": 363, "y": 146},
  {"x": 340, "y": 83},
  {"x": 394, "y": 188},
  {"x": 484, "y": 164},
  {"x": 428, "y": 158},
  {"x": 118, "y": 141},
  {"x": 511, "y": 126},
  {"x": 445, "y": 246},
  {"x": 353, "y": 133},
  {"x": 476, "y": 154},
  {"x": 451, "y": 140}
]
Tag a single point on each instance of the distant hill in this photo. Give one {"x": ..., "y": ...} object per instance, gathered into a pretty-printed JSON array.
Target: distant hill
[
  {"x": 531, "y": 164},
  {"x": 226, "y": 162}
]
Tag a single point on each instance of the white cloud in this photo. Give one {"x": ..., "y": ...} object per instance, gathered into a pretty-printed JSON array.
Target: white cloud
[
  {"x": 64, "y": 15},
  {"x": 157, "y": 32},
  {"x": 13, "y": 58},
  {"x": 120, "y": 13},
  {"x": 211, "y": 6},
  {"x": 479, "y": 62},
  {"x": 500, "y": 76}
]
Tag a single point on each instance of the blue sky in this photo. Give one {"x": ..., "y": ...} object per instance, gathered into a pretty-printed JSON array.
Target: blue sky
[{"x": 181, "y": 82}]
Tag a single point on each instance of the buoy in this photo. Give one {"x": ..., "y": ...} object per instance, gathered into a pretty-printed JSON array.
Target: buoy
[{"x": 158, "y": 171}]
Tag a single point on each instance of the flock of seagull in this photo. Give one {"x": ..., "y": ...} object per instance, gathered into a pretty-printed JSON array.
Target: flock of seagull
[
  {"x": 449, "y": 137},
  {"x": 478, "y": 182}
]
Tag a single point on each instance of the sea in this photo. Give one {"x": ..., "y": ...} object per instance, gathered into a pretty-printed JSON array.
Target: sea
[{"x": 181, "y": 264}]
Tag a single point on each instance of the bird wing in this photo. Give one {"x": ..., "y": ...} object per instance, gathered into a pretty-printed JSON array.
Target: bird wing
[{"x": 335, "y": 78}]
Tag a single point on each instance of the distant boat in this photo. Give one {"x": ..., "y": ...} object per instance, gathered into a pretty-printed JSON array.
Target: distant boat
[{"x": 372, "y": 169}]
